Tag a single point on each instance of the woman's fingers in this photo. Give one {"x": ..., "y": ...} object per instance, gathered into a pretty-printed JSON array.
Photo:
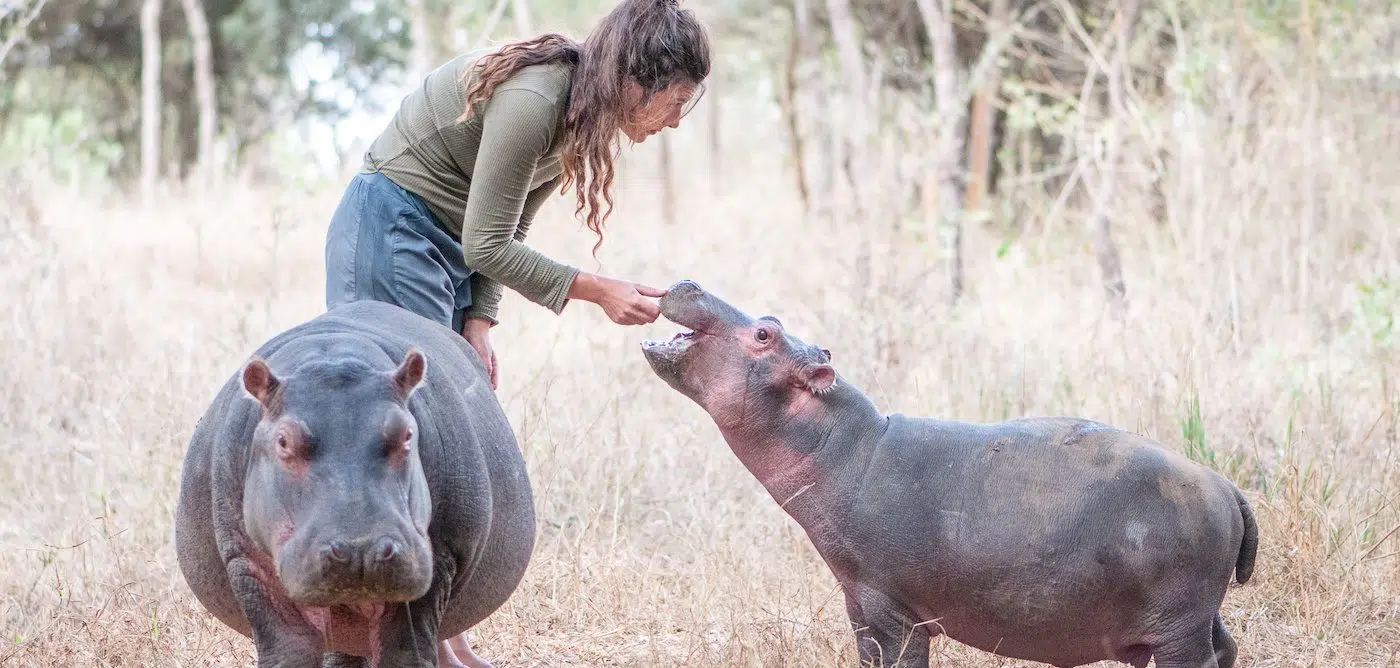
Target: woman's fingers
[{"x": 650, "y": 291}]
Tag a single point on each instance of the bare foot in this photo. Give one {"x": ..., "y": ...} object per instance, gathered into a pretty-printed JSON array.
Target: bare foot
[{"x": 456, "y": 652}]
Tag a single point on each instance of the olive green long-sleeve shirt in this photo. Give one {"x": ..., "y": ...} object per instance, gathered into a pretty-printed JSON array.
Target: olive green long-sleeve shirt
[{"x": 485, "y": 178}]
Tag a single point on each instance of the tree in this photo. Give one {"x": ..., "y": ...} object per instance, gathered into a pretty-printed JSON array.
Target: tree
[
  {"x": 204, "y": 87},
  {"x": 1104, "y": 148},
  {"x": 14, "y": 21},
  {"x": 850, "y": 140},
  {"x": 150, "y": 99},
  {"x": 945, "y": 163},
  {"x": 979, "y": 151},
  {"x": 523, "y": 26}
]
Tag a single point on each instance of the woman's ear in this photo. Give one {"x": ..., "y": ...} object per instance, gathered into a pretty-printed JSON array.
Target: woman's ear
[{"x": 632, "y": 94}]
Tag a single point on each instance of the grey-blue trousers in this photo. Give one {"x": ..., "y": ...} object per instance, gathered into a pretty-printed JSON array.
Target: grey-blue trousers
[{"x": 385, "y": 244}]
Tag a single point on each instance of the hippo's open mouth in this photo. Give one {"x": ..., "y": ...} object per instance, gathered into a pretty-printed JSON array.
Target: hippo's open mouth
[
  {"x": 670, "y": 351},
  {"x": 671, "y": 348}
]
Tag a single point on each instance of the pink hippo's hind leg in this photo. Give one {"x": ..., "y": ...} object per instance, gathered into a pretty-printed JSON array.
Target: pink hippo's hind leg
[
  {"x": 1225, "y": 649},
  {"x": 456, "y": 652}
]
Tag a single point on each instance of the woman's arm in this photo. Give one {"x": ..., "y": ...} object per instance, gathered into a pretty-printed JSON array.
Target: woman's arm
[
  {"x": 486, "y": 291},
  {"x": 518, "y": 126}
]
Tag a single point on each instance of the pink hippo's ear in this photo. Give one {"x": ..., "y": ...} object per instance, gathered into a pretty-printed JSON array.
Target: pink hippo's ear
[
  {"x": 409, "y": 374},
  {"x": 259, "y": 382},
  {"x": 817, "y": 378}
]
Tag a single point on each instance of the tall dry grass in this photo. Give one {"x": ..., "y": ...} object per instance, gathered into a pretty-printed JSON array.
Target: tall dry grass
[{"x": 1255, "y": 341}]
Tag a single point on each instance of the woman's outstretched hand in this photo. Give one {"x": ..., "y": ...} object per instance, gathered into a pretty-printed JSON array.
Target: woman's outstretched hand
[{"x": 625, "y": 302}]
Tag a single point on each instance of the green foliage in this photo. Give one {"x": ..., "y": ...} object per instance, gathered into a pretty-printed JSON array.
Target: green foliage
[
  {"x": 1027, "y": 110},
  {"x": 62, "y": 142},
  {"x": 1375, "y": 312},
  {"x": 1193, "y": 432}
]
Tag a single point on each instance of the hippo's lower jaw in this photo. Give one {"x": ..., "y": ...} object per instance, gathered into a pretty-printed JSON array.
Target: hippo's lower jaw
[
  {"x": 669, "y": 351},
  {"x": 665, "y": 357}
]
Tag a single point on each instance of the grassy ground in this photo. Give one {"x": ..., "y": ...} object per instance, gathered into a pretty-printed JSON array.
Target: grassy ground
[{"x": 655, "y": 546}]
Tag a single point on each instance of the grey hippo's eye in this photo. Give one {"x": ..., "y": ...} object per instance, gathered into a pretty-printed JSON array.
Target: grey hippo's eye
[{"x": 762, "y": 335}]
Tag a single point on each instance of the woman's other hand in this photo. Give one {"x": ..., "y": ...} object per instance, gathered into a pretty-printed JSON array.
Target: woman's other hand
[
  {"x": 477, "y": 332},
  {"x": 625, "y": 302}
]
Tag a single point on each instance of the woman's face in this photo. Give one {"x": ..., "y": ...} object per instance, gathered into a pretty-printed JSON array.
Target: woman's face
[{"x": 664, "y": 110}]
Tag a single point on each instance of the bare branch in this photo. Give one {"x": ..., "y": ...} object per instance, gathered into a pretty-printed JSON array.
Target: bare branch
[
  {"x": 999, "y": 37},
  {"x": 21, "y": 26},
  {"x": 491, "y": 20}
]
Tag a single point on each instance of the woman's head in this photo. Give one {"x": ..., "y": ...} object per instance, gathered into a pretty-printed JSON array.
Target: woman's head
[{"x": 640, "y": 70}]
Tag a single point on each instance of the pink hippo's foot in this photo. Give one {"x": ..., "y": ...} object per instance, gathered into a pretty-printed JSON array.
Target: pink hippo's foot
[{"x": 456, "y": 652}]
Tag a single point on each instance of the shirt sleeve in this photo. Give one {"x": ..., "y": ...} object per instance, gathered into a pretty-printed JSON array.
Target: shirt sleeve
[
  {"x": 486, "y": 292},
  {"x": 517, "y": 128}
]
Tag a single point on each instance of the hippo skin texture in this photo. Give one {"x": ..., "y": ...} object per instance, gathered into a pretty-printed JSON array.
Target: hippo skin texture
[
  {"x": 355, "y": 494},
  {"x": 1057, "y": 540}
]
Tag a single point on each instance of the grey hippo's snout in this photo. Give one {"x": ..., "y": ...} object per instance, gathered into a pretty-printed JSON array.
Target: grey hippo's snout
[
  {"x": 366, "y": 555},
  {"x": 386, "y": 567}
]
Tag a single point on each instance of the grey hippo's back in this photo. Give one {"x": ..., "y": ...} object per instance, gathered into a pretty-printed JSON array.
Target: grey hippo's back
[{"x": 482, "y": 526}]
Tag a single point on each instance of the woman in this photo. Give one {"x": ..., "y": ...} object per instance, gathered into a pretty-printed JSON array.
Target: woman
[{"x": 435, "y": 220}]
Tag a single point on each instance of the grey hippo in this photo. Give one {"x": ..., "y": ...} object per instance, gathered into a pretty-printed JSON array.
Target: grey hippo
[
  {"x": 1058, "y": 540},
  {"x": 354, "y": 495}
]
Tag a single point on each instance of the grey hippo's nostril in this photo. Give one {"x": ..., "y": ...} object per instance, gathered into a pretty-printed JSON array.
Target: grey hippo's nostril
[
  {"x": 337, "y": 551},
  {"x": 386, "y": 549}
]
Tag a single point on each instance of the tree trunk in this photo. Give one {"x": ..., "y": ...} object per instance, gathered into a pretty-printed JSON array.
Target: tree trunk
[
  {"x": 523, "y": 25},
  {"x": 851, "y": 127},
  {"x": 787, "y": 99},
  {"x": 204, "y": 88},
  {"x": 980, "y": 139},
  {"x": 947, "y": 157},
  {"x": 421, "y": 32},
  {"x": 1105, "y": 251},
  {"x": 150, "y": 99}
]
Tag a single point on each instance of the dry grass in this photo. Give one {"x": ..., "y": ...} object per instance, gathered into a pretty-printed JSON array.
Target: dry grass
[{"x": 655, "y": 546}]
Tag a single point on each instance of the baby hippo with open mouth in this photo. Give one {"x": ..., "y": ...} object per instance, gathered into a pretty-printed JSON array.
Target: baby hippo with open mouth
[{"x": 1058, "y": 540}]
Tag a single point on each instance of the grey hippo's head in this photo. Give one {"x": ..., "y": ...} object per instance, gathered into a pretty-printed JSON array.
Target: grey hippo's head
[
  {"x": 743, "y": 371},
  {"x": 336, "y": 494}
]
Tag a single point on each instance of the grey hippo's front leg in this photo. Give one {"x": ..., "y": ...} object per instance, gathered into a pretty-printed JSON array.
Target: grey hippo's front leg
[
  {"x": 283, "y": 637},
  {"x": 410, "y": 632},
  {"x": 886, "y": 637}
]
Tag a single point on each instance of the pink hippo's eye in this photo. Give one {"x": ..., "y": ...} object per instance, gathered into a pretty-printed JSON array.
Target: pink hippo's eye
[{"x": 762, "y": 335}]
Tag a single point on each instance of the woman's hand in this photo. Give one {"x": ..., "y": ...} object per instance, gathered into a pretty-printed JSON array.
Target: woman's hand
[
  {"x": 477, "y": 332},
  {"x": 625, "y": 302}
]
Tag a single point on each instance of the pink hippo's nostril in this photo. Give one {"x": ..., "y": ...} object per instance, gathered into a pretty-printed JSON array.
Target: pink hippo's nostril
[
  {"x": 337, "y": 551},
  {"x": 386, "y": 549}
]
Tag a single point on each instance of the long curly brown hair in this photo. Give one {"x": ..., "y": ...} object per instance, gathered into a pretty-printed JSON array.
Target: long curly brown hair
[{"x": 654, "y": 42}]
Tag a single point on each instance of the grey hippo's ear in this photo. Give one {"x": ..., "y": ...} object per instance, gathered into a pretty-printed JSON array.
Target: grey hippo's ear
[
  {"x": 259, "y": 382},
  {"x": 409, "y": 375},
  {"x": 817, "y": 378}
]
